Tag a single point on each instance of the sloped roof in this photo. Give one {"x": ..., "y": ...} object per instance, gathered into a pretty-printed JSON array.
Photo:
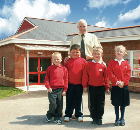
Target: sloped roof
[
  {"x": 49, "y": 29},
  {"x": 113, "y": 32}
]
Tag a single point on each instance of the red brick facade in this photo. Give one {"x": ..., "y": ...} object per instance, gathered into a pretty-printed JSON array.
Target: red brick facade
[{"x": 15, "y": 64}]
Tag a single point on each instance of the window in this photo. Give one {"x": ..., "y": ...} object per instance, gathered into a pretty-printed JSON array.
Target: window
[
  {"x": 3, "y": 66},
  {"x": 0, "y": 65},
  {"x": 134, "y": 60}
]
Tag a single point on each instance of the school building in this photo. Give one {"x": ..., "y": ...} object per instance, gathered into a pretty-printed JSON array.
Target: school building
[{"x": 25, "y": 56}]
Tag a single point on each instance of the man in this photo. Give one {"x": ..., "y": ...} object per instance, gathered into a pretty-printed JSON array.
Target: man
[
  {"x": 90, "y": 40},
  {"x": 87, "y": 42}
]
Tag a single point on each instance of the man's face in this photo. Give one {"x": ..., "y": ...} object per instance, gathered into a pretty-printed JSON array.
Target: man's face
[{"x": 82, "y": 27}]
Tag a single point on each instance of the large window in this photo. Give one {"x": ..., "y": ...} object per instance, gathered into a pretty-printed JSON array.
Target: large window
[
  {"x": 0, "y": 65},
  {"x": 3, "y": 66},
  {"x": 134, "y": 59}
]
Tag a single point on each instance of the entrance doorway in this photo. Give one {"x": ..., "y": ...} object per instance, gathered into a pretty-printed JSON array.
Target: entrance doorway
[{"x": 37, "y": 69}]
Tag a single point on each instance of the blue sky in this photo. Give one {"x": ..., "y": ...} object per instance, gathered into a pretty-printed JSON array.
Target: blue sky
[{"x": 103, "y": 13}]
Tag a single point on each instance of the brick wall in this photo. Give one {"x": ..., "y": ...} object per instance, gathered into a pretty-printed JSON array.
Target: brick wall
[{"x": 8, "y": 52}]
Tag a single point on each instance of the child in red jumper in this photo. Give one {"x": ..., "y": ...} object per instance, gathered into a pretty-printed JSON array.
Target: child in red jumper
[
  {"x": 56, "y": 81},
  {"x": 119, "y": 73},
  {"x": 95, "y": 75},
  {"x": 75, "y": 66}
]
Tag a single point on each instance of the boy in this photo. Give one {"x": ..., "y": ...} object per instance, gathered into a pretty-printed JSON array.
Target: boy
[
  {"x": 75, "y": 66},
  {"x": 95, "y": 75},
  {"x": 56, "y": 81}
]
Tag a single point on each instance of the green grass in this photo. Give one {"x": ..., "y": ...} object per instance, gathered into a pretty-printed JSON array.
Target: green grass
[{"x": 6, "y": 91}]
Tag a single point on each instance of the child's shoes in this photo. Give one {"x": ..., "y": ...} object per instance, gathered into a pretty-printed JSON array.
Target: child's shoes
[
  {"x": 48, "y": 119},
  {"x": 99, "y": 121},
  {"x": 59, "y": 122},
  {"x": 94, "y": 121},
  {"x": 66, "y": 119},
  {"x": 122, "y": 123},
  {"x": 80, "y": 119},
  {"x": 117, "y": 122}
]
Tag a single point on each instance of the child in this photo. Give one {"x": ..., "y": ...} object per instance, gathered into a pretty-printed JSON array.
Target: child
[
  {"x": 75, "y": 66},
  {"x": 56, "y": 81},
  {"x": 96, "y": 76},
  {"x": 119, "y": 73}
]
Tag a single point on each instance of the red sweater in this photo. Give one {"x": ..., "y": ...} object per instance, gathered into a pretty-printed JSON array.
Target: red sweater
[
  {"x": 75, "y": 70},
  {"x": 119, "y": 72},
  {"x": 95, "y": 75},
  {"x": 56, "y": 77}
]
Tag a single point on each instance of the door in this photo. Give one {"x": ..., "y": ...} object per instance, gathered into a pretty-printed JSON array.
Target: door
[{"x": 37, "y": 70}]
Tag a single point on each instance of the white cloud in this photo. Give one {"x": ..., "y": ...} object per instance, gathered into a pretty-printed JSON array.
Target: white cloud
[
  {"x": 105, "y": 3},
  {"x": 130, "y": 16},
  {"x": 11, "y": 17},
  {"x": 103, "y": 23}
]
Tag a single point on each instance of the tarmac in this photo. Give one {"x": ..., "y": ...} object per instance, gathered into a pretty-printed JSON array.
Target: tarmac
[{"x": 27, "y": 111}]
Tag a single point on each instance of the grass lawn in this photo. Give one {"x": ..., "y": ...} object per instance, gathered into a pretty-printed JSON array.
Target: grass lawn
[{"x": 6, "y": 91}]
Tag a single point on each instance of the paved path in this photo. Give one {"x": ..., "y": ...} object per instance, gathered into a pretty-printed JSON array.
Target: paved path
[{"x": 27, "y": 112}]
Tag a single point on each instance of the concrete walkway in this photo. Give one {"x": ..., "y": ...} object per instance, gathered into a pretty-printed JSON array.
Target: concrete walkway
[{"x": 27, "y": 112}]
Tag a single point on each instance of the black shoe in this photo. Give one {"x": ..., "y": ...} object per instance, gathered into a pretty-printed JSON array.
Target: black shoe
[
  {"x": 122, "y": 123},
  {"x": 94, "y": 121},
  {"x": 59, "y": 122},
  {"x": 48, "y": 119},
  {"x": 117, "y": 122},
  {"x": 99, "y": 121}
]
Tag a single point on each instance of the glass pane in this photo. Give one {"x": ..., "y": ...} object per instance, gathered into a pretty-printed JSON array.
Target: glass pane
[
  {"x": 33, "y": 64},
  {"x": 0, "y": 65},
  {"x": 136, "y": 60},
  {"x": 45, "y": 63},
  {"x": 127, "y": 57},
  {"x": 3, "y": 66},
  {"x": 136, "y": 73},
  {"x": 33, "y": 78},
  {"x": 42, "y": 78}
]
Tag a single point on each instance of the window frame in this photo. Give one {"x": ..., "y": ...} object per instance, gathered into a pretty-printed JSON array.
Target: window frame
[
  {"x": 132, "y": 61},
  {"x": 3, "y": 67},
  {"x": 0, "y": 65}
]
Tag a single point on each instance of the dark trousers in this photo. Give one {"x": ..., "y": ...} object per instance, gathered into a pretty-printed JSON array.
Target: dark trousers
[
  {"x": 97, "y": 101},
  {"x": 56, "y": 104},
  {"x": 74, "y": 100}
]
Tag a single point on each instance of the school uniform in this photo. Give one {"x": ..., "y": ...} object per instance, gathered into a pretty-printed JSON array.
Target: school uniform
[
  {"x": 75, "y": 89},
  {"x": 119, "y": 71},
  {"x": 57, "y": 79},
  {"x": 95, "y": 75}
]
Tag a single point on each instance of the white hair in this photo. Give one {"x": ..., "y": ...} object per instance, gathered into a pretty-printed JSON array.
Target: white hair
[{"x": 83, "y": 21}]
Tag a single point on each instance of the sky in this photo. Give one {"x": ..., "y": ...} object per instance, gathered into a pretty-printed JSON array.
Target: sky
[{"x": 103, "y": 13}]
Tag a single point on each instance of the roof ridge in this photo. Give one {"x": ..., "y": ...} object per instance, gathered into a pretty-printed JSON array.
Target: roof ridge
[
  {"x": 62, "y": 21},
  {"x": 50, "y": 20},
  {"x": 108, "y": 29},
  {"x": 17, "y": 35}
]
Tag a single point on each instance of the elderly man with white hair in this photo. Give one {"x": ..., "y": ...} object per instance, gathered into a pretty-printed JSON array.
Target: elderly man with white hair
[
  {"x": 90, "y": 40},
  {"x": 87, "y": 42}
]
